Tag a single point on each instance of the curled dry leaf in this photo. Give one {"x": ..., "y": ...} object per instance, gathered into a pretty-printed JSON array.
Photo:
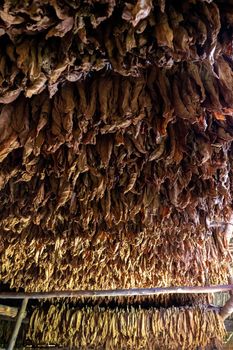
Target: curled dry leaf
[
  {"x": 135, "y": 13},
  {"x": 38, "y": 85},
  {"x": 62, "y": 28}
]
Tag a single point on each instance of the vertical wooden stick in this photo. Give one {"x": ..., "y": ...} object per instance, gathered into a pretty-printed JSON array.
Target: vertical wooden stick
[
  {"x": 227, "y": 309},
  {"x": 20, "y": 316}
]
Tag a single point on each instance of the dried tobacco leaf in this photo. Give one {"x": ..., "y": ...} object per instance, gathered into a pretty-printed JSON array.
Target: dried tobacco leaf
[
  {"x": 135, "y": 14},
  {"x": 63, "y": 40}
]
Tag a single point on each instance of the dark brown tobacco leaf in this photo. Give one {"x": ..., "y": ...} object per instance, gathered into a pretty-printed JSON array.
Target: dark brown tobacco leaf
[
  {"x": 135, "y": 14},
  {"x": 62, "y": 28}
]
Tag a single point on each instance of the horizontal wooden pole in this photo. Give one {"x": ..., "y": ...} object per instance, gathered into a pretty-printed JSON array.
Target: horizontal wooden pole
[{"x": 117, "y": 292}]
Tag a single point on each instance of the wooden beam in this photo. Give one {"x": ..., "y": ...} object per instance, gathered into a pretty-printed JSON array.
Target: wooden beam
[
  {"x": 227, "y": 309},
  {"x": 117, "y": 292}
]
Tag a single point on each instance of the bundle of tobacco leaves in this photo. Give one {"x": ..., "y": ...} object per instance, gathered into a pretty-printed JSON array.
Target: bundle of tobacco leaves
[
  {"x": 144, "y": 301},
  {"x": 131, "y": 328},
  {"x": 48, "y": 42},
  {"x": 115, "y": 190}
]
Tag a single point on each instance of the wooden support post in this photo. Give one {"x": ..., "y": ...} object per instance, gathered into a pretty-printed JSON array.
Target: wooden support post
[
  {"x": 227, "y": 309},
  {"x": 20, "y": 316}
]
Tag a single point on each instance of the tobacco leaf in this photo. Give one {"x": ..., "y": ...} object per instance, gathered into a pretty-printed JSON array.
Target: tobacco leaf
[
  {"x": 62, "y": 28},
  {"x": 135, "y": 14}
]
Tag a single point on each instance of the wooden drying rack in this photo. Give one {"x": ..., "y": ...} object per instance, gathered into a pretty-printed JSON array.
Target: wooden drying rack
[{"x": 224, "y": 311}]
